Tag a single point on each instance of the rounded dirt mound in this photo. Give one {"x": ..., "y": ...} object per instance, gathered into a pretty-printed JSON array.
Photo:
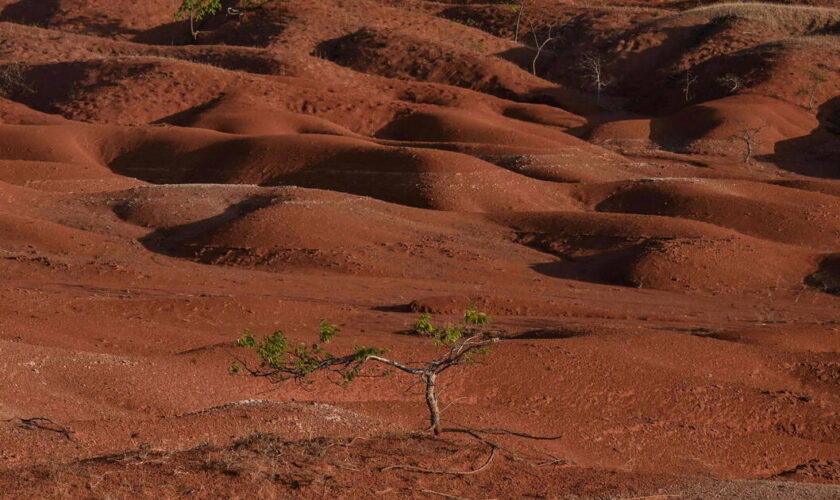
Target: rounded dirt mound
[
  {"x": 416, "y": 177},
  {"x": 762, "y": 210},
  {"x": 288, "y": 229},
  {"x": 658, "y": 253}
]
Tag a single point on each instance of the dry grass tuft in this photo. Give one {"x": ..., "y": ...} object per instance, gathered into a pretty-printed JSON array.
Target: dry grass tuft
[{"x": 791, "y": 17}]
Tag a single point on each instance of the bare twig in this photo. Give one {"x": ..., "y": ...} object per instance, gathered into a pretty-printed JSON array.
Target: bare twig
[
  {"x": 689, "y": 80},
  {"x": 539, "y": 45},
  {"x": 45, "y": 424},
  {"x": 520, "y": 9},
  {"x": 444, "y": 495},
  {"x": 731, "y": 82},
  {"x": 411, "y": 468}
]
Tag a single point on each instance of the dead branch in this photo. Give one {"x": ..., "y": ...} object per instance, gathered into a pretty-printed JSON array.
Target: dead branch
[
  {"x": 45, "y": 424},
  {"x": 520, "y": 9},
  {"x": 688, "y": 85},
  {"x": 540, "y": 45},
  {"x": 444, "y": 495},
  {"x": 517, "y": 434},
  {"x": 412, "y": 468},
  {"x": 731, "y": 82}
]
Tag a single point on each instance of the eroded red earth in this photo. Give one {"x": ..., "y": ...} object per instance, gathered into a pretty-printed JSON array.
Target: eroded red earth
[{"x": 671, "y": 309}]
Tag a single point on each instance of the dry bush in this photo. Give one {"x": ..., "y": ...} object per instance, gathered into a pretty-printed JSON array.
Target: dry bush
[{"x": 13, "y": 80}]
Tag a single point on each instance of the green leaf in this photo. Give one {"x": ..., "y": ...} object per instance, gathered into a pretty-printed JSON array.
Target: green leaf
[
  {"x": 327, "y": 331},
  {"x": 273, "y": 349},
  {"x": 198, "y": 9},
  {"x": 449, "y": 335},
  {"x": 473, "y": 317},
  {"x": 247, "y": 339},
  {"x": 423, "y": 326},
  {"x": 362, "y": 352}
]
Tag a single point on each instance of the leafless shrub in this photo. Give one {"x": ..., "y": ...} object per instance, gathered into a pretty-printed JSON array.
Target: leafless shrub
[
  {"x": 731, "y": 82},
  {"x": 550, "y": 35},
  {"x": 13, "y": 80},
  {"x": 689, "y": 79},
  {"x": 749, "y": 135},
  {"x": 594, "y": 74}
]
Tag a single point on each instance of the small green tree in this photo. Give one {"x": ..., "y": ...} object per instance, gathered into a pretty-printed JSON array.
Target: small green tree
[
  {"x": 197, "y": 10},
  {"x": 279, "y": 360}
]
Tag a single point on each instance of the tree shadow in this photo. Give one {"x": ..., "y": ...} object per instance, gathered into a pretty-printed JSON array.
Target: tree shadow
[
  {"x": 397, "y": 308},
  {"x": 551, "y": 334},
  {"x": 816, "y": 154},
  {"x": 678, "y": 133},
  {"x": 614, "y": 267},
  {"x": 51, "y": 84},
  {"x": 171, "y": 241},
  {"x": 32, "y": 12},
  {"x": 827, "y": 276},
  {"x": 174, "y": 33}
]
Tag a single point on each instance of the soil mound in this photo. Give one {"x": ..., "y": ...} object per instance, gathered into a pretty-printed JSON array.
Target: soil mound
[
  {"x": 735, "y": 205},
  {"x": 652, "y": 252}
]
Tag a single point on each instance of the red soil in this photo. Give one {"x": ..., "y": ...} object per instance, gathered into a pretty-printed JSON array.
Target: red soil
[{"x": 670, "y": 310}]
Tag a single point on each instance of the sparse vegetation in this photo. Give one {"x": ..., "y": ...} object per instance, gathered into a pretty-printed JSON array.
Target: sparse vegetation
[
  {"x": 196, "y": 10},
  {"x": 280, "y": 360}
]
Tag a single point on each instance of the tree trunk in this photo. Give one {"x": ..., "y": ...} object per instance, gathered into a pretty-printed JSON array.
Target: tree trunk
[
  {"x": 518, "y": 18},
  {"x": 432, "y": 402},
  {"x": 812, "y": 97},
  {"x": 192, "y": 25}
]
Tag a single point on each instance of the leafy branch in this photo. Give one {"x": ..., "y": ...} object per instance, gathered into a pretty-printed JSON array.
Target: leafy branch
[{"x": 279, "y": 360}]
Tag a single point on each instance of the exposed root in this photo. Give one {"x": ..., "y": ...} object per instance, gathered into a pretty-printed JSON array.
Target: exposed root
[
  {"x": 45, "y": 424},
  {"x": 411, "y": 468}
]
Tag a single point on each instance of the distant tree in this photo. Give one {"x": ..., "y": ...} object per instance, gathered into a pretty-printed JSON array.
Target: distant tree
[
  {"x": 279, "y": 360},
  {"x": 518, "y": 8},
  {"x": 750, "y": 137},
  {"x": 594, "y": 74},
  {"x": 689, "y": 79},
  {"x": 541, "y": 42}
]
